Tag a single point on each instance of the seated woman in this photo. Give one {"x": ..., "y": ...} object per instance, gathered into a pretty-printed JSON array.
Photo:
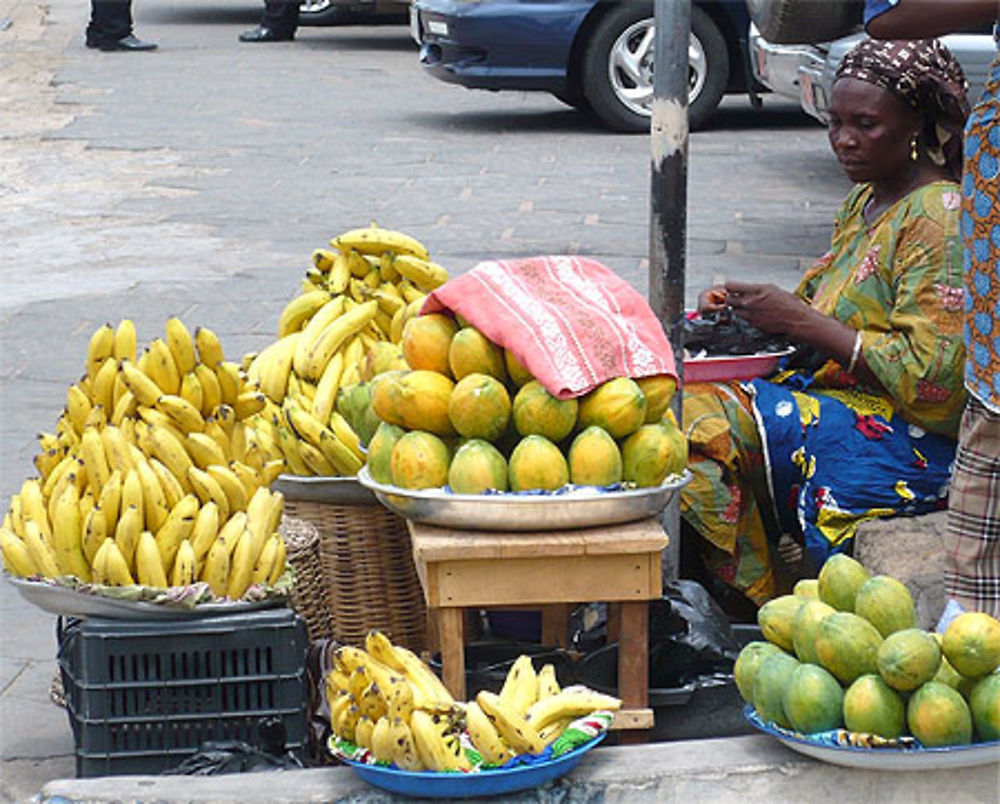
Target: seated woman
[{"x": 863, "y": 421}]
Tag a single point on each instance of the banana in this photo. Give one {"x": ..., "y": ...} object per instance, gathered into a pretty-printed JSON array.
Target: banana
[
  {"x": 211, "y": 387},
  {"x": 115, "y": 567},
  {"x": 322, "y": 259},
  {"x": 339, "y": 703},
  {"x": 98, "y": 567},
  {"x": 217, "y": 433},
  {"x": 204, "y": 450},
  {"x": 428, "y": 689},
  {"x": 46, "y": 461},
  {"x": 132, "y": 494},
  {"x": 300, "y": 309},
  {"x": 183, "y": 572},
  {"x": 316, "y": 463},
  {"x": 96, "y": 418},
  {"x": 399, "y": 698},
  {"x": 248, "y": 476},
  {"x": 375, "y": 240},
  {"x": 42, "y": 556},
  {"x": 414, "y": 298},
  {"x": 348, "y": 721},
  {"x": 548, "y": 684},
  {"x": 109, "y": 501},
  {"x": 215, "y": 572},
  {"x": 32, "y": 504},
  {"x": 16, "y": 556},
  {"x": 230, "y": 484},
  {"x": 340, "y": 427},
  {"x": 185, "y": 416},
  {"x": 181, "y": 345},
  {"x": 191, "y": 391},
  {"x": 520, "y": 688},
  {"x": 155, "y": 508},
  {"x": 231, "y": 379},
  {"x": 67, "y": 535},
  {"x": 170, "y": 451},
  {"x": 100, "y": 347},
  {"x": 307, "y": 428},
  {"x": 162, "y": 368},
  {"x": 177, "y": 528},
  {"x": 207, "y": 489},
  {"x": 225, "y": 417},
  {"x": 265, "y": 561},
  {"x": 95, "y": 531},
  {"x": 172, "y": 489},
  {"x": 204, "y": 531},
  {"x": 127, "y": 531},
  {"x": 358, "y": 264},
  {"x": 519, "y": 734},
  {"x": 485, "y": 737},
  {"x": 381, "y": 741},
  {"x": 291, "y": 450},
  {"x": 94, "y": 457},
  {"x": 323, "y": 318},
  {"x": 404, "y": 750},
  {"x": 248, "y": 403},
  {"x": 125, "y": 407},
  {"x": 382, "y": 649},
  {"x": 554, "y": 729},
  {"x": 569, "y": 703},
  {"x": 371, "y": 280},
  {"x": 421, "y": 272},
  {"x": 148, "y": 564},
  {"x": 241, "y": 570},
  {"x": 271, "y": 471},
  {"x": 273, "y": 365},
  {"x": 125, "y": 340},
  {"x": 383, "y": 321},
  {"x": 339, "y": 274},
  {"x": 145, "y": 391},
  {"x": 70, "y": 478},
  {"x": 279, "y": 560},
  {"x": 103, "y": 386},
  {"x": 322, "y": 349},
  {"x": 208, "y": 346},
  {"x": 116, "y": 450},
  {"x": 78, "y": 407},
  {"x": 431, "y": 748},
  {"x": 363, "y": 732}
]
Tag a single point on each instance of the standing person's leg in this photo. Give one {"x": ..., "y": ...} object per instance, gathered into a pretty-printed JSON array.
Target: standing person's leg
[
  {"x": 110, "y": 26},
  {"x": 972, "y": 554},
  {"x": 278, "y": 23}
]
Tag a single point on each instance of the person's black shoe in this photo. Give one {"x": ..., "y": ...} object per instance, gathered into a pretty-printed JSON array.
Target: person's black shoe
[
  {"x": 264, "y": 34},
  {"x": 128, "y": 43}
]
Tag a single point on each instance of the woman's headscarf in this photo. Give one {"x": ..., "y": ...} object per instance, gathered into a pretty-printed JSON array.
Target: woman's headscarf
[{"x": 924, "y": 75}]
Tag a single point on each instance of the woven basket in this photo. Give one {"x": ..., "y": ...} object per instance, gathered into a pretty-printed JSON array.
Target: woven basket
[
  {"x": 368, "y": 570},
  {"x": 310, "y": 596}
]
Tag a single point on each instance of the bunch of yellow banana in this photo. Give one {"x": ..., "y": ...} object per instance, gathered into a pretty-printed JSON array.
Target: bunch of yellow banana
[
  {"x": 345, "y": 325},
  {"x": 151, "y": 471},
  {"x": 384, "y": 699}
]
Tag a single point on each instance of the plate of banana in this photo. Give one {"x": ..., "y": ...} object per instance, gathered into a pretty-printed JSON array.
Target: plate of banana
[{"x": 397, "y": 726}]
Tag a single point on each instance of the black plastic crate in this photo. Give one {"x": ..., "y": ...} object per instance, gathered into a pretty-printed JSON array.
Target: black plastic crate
[{"x": 143, "y": 695}]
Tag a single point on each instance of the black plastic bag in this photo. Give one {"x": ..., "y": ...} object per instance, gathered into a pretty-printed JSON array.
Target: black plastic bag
[{"x": 215, "y": 758}]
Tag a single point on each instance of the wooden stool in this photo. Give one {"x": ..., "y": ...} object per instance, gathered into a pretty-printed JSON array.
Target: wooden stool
[{"x": 480, "y": 569}]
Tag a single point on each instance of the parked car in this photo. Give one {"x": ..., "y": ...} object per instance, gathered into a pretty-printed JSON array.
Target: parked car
[
  {"x": 349, "y": 12},
  {"x": 805, "y": 72},
  {"x": 595, "y": 55}
]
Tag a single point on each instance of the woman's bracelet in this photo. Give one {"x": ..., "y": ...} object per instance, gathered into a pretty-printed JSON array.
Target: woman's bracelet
[{"x": 855, "y": 354}]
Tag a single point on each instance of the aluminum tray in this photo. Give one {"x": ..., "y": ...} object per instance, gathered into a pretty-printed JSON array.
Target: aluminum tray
[
  {"x": 334, "y": 490},
  {"x": 68, "y": 602},
  {"x": 585, "y": 508}
]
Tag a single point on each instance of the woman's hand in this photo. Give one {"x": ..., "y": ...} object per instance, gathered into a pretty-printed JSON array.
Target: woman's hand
[
  {"x": 712, "y": 300},
  {"x": 767, "y": 307}
]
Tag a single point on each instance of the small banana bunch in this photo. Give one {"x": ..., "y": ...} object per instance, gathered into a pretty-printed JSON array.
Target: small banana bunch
[
  {"x": 151, "y": 475},
  {"x": 343, "y": 327},
  {"x": 416, "y": 725}
]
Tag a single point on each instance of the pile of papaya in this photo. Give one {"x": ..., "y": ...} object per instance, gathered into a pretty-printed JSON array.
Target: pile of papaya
[
  {"x": 844, "y": 651},
  {"x": 468, "y": 415}
]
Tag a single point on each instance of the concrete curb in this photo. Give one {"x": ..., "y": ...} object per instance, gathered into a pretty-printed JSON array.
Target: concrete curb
[{"x": 742, "y": 769}]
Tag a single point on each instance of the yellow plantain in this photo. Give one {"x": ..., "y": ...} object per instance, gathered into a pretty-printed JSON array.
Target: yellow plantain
[
  {"x": 109, "y": 501},
  {"x": 424, "y": 274},
  {"x": 520, "y": 688},
  {"x": 204, "y": 450},
  {"x": 67, "y": 534},
  {"x": 381, "y": 741},
  {"x": 376, "y": 240},
  {"x": 145, "y": 391},
  {"x": 208, "y": 490},
  {"x": 485, "y": 737},
  {"x": 185, "y": 563},
  {"x": 162, "y": 368},
  {"x": 124, "y": 341},
  {"x": 191, "y": 391},
  {"x": 16, "y": 556},
  {"x": 215, "y": 571},
  {"x": 172, "y": 489},
  {"x": 241, "y": 570},
  {"x": 208, "y": 346},
  {"x": 148, "y": 564},
  {"x": 211, "y": 387},
  {"x": 205, "y": 530},
  {"x": 177, "y": 528},
  {"x": 185, "y": 416},
  {"x": 299, "y": 310},
  {"x": 78, "y": 407},
  {"x": 232, "y": 381},
  {"x": 100, "y": 347},
  {"x": 103, "y": 388},
  {"x": 116, "y": 449},
  {"x": 181, "y": 345},
  {"x": 95, "y": 531},
  {"x": 127, "y": 530},
  {"x": 569, "y": 703},
  {"x": 115, "y": 567},
  {"x": 518, "y": 733},
  {"x": 42, "y": 556},
  {"x": 155, "y": 507},
  {"x": 325, "y": 316}
]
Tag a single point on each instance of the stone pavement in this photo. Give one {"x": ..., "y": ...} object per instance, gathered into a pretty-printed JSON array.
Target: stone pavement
[{"x": 196, "y": 181}]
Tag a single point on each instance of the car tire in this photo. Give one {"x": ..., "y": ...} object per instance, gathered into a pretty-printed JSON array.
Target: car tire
[
  {"x": 623, "y": 103},
  {"x": 315, "y": 13},
  {"x": 795, "y": 22}
]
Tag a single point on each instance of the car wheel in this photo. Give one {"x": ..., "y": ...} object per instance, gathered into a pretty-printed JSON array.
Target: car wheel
[
  {"x": 575, "y": 99},
  {"x": 320, "y": 12},
  {"x": 617, "y": 68}
]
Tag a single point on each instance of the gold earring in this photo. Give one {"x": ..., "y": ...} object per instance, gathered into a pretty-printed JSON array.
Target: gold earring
[{"x": 914, "y": 154}]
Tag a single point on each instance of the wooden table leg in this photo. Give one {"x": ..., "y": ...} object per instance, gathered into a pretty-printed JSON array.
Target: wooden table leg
[
  {"x": 555, "y": 625},
  {"x": 450, "y": 633},
  {"x": 633, "y": 662}
]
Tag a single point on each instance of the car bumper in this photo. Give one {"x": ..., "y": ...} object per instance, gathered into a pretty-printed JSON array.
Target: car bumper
[
  {"x": 777, "y": 66},
  {"x": 459, "y": 42}
]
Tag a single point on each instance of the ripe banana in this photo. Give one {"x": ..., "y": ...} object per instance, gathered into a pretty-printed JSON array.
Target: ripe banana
[
  {"x": 103, "y": 392},
  {"x": 127, "y": 531},
  {"x": 248, "y": 403},
  {"x": 303, "y": 307},
  {"x": 428, "y": 691},
  {"x": 231, "y": 530},
  {"x": 109, "y": 501},
  {"x": 264, "y": 565},
  {"x": 16, "y": 557},
  {"x": 404, "y": 750},
  {"x": 181, "y": 345},
  {"x": 177, "y": 528},
  {"x": 554, "y": 729},
  {"x": 132, "y": 494},
  {"x": 376, "y": 240},
  {"x": 205, "y": 530},
  {"x": 211, "y": 386},
  {"x": 145, "y": 391},
  {"x": 568, "y": 703},
  {"x": 116, "y": 449},
  {"x": 316, "y": 463},
  {"x": 155, "y": 508},
  {"x": 192, "y": 392},
  {"x": 204, "y": 450},
  {"x": 381, "y": 741},
  {"x": 339, "y": 275},
  {"x": 340, "y": 427},
  {"x": 434, "y": 751},
  {"x": 124, "y": 341},
  {"x": 271, "y": 368},
  {"x": 184, "y": 415},
  {"x": 485, "y": 737},
  {"x": 148, "y": 565},
  {"x": 372, "y": 703},
  {"x": 363, "y": 732},
  {"x": 78, "y": 407},
  {"x": 520, "y": 688},
  {"x": 114, "y": 567},
  {"x": 235, "y": 492},
  {"x": 67, "y": 534},
  {"x": 208, "y": 346},
  {"x": 95, "y": 531},
  {"x": 279, "y": 561},
  {"x": 323, "y": 318},
  {"x": 32, "y": 504},
  {"x": 42, "y": 556},
  {"x": 183, "y": 572},
  {"x": 241, "y": 570},
  {"x": 291, "y": 450},
  {"x": 215, "y": 572},
  {"x": 231, "y": 379},
  {"x": 399, "y": 698},
  {"x": 172, "y": 489},
  {"x": 169, "y": 450},
  {"x": 125, "y": 407},
  {"x": 519, "y": 734},
  {"x": 548, "y": 684},
  {"x": 100, "y": 347},
  {"x": 162, "y": 369},
  {"x": 421, "y": 272},
  {"x": 382, "y": 649},
  {"x": 321, "y": 350}
]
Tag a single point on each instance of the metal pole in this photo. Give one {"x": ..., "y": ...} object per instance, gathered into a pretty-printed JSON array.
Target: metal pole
[{"x": 668, "y": 206}]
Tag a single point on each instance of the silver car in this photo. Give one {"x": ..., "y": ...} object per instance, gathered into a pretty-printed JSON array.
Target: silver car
[{"x": 805, "y": 72}]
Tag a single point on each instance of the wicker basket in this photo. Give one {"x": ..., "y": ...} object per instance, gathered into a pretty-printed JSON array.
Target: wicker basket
[
  {"x": 368, "y": 570},
  {"x": 310, "y": 596}
]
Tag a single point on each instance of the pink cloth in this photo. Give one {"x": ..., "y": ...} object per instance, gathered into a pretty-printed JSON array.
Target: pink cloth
[{"x": 570, "y": 321}]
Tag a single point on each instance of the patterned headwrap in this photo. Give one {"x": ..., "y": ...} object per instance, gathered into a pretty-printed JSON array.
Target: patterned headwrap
[{"x": 924, "y": 75}]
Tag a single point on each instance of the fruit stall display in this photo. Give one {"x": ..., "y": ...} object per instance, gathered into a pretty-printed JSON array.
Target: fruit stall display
[
  {"x": 843, "y": 655},
  {"x": 388, "y": 708}
]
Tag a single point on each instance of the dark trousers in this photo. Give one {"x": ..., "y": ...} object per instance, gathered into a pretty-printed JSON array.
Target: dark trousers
[
  {"x": 281, "y": 16},
  {"x": 110, "y": 20}
]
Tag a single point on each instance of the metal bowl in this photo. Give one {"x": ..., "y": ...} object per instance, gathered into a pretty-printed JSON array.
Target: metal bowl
[
  {"x": 333, "y": 490},
  {"x": 580, "y": 508}
]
